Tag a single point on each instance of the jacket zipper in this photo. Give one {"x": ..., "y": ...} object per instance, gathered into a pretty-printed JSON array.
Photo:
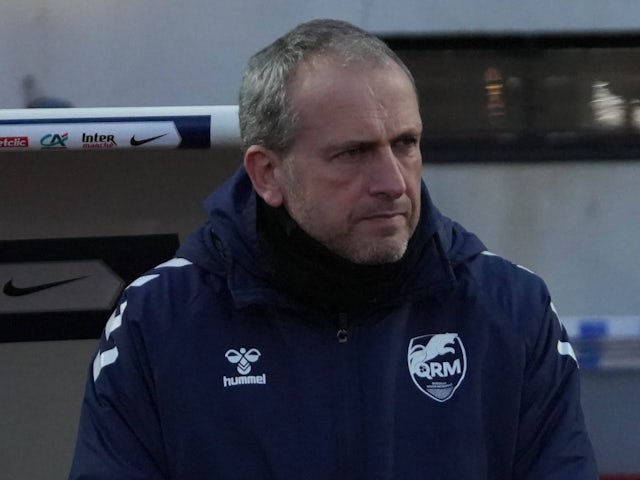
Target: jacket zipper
[
  {"x": 345, "y": 466},
  {"x": 343, "y": 328}
]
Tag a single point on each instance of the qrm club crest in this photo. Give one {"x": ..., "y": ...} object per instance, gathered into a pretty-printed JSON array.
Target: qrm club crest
[{"x": 437, "y": 364}]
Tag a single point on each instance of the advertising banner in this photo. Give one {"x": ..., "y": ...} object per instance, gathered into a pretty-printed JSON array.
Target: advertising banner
[{"x": 113, "y": 128}]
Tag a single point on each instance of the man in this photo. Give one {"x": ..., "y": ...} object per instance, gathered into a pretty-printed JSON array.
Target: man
[{"x": 328, "y": 322}]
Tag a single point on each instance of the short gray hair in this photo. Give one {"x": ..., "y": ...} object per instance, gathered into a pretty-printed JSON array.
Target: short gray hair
[{"x": 266, "y": 116}]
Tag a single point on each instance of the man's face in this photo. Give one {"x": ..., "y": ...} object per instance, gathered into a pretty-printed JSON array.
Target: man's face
[{"x": 352, "y": 177}]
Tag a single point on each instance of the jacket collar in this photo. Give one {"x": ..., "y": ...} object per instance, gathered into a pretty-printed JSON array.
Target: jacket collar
[{"x": 229, "y": 245}]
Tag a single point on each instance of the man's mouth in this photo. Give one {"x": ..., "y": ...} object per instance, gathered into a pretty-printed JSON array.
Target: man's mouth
[{"x": 383, "y": 215}]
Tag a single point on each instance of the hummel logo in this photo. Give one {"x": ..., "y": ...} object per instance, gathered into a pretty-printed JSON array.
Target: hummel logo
[
  {"x": 136, "y": 143},
  {"x": 12, "y": 291},
  {"x": 243, "y": 359}
]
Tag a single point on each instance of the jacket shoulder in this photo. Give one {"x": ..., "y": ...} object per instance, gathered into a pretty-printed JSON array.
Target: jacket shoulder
[
  {"x": 165, "y": 288},
  {"x": 502, "y": 279},
  {"x": 511, "y": 291}
]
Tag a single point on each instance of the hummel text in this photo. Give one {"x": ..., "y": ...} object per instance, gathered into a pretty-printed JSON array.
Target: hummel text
[{"x": 245, "y": 380}]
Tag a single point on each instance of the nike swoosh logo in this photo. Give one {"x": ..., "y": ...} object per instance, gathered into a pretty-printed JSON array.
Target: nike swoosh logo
[
  {"x": 136, "y": 143},
  {"x": 12, "y": 291}
]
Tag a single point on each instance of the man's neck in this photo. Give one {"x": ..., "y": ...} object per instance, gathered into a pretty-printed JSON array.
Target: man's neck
[{"x": 319, "y": 278}]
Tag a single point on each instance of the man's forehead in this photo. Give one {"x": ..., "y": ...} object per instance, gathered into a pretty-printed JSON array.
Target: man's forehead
[
  {"x": 333, "y": 61},
  {"x": 330, "y": 83}
]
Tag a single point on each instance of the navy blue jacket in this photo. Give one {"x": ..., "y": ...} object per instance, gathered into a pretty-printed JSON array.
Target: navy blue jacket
[{"x": 205, "y": 370}]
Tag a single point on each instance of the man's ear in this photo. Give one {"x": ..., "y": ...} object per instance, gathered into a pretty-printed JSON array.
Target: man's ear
[{"x": 261, "y": 163}]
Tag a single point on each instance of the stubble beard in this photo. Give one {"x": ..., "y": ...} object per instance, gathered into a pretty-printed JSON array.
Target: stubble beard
[
  {"x": 348, "y": 245},
  {"x": 373, "y": 252},
  {"x": 363, "y": 251}
]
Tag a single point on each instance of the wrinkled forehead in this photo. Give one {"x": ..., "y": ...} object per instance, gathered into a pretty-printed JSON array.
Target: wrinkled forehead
[
  {"x": 349, "y": 57},
  {"x": 338, "y": 63},
  {"x": 333, "y": 102}
]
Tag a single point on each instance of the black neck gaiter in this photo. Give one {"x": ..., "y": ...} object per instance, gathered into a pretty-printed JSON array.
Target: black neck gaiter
[{"x": 321, "y": 279}]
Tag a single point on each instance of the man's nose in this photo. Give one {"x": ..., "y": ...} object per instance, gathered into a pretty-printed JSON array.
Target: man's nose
[{"x": 386, "y": 177}]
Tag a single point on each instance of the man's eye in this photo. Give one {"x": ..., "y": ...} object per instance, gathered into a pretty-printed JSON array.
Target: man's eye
[
  {"x": 408, "y": 141},
  {"x": 350, "y": 153},
  {"x": 405, "y": 144}
]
